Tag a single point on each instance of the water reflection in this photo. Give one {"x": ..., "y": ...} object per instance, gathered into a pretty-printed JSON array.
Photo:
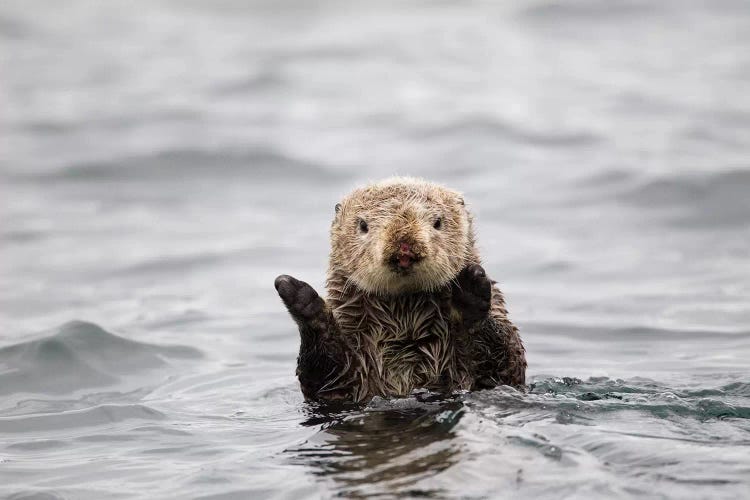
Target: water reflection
[{"x": 389, "y": 446}]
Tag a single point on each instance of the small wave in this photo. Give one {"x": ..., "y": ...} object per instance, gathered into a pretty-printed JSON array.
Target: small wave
[
  {"x": 267, "y": 80},
  {"x": 698, "y": 201},
  {"x": 642, "y": 333},
  {"x": 37, "y": 444},
  {"x": 189, "y": 164},
  {"x": 604, "y": 394},
  {"x": 588, "y": 11},
  {"x": 193, "y": 260},
  {"x": 492, "y": 127},
  {"x": 89, "y": 417},
  {"x": 35, "y": 495},
  {"x": 78, "y": 355}
]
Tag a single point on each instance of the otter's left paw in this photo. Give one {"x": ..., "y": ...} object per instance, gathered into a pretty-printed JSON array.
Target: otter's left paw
[{"x": 472, "y": 294}]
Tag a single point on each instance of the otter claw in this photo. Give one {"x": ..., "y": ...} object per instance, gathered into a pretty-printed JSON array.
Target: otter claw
[
  {"x": 472, "y": 294},
  {"x": 302, "y": 301}
]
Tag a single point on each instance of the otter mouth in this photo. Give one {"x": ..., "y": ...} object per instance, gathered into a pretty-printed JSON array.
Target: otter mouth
[{"x": 403, "y": 262}]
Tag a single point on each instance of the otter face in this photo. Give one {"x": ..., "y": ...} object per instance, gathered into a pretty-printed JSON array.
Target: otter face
[{"x": 401, "y": 236}]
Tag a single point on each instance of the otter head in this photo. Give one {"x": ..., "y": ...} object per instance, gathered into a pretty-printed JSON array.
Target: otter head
[{"x": 401, "y": 235}]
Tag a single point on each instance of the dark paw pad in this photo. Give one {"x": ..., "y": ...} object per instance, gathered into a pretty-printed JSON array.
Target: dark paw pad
[
  {"x": 472, "y": 293},
  {"x": 300, "y": 298}
]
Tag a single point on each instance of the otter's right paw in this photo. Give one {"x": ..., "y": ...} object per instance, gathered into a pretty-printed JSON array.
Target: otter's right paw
[
  {"x": 472, "y": 294},
  {"x": 302, "y": 301}
]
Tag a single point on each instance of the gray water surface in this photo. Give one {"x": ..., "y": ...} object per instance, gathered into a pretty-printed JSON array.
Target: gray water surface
[{"x": 162, "y": 162}]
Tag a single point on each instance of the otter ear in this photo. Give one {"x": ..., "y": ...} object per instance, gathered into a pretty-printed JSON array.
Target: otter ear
[{"x": 337, "y": 215}]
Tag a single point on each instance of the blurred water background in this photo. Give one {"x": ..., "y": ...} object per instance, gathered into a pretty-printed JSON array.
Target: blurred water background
[{"x": 162, "y": 161}]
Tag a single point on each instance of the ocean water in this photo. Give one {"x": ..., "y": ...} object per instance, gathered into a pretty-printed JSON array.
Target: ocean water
[{"x": 162, "y": 162}]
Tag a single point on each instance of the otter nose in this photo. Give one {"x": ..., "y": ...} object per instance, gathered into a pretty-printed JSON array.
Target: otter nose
[{"x": 405, "y": 256}]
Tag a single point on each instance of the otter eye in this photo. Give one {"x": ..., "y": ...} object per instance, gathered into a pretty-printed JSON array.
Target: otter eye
[
  {"x": 363, "y": 226},
  {"x": 438, "y": 223}
]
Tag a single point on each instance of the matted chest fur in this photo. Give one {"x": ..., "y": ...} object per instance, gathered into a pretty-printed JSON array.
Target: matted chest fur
[{"x": 402, "y": 343}]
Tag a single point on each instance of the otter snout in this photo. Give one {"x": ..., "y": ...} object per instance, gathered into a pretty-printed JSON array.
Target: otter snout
[{"x": 405, "y": 253}]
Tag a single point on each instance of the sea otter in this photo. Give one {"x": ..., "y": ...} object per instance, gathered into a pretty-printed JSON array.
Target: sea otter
[{"x": 409, "y": 306}]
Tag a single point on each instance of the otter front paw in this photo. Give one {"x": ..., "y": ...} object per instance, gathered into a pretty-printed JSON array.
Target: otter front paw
[
  {"x": 472, "y": 294},
  {"x": 303, "y": 302}
]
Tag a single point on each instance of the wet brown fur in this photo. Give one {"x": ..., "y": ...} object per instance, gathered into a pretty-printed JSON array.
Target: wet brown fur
[{"x": 386, "y": 331}]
